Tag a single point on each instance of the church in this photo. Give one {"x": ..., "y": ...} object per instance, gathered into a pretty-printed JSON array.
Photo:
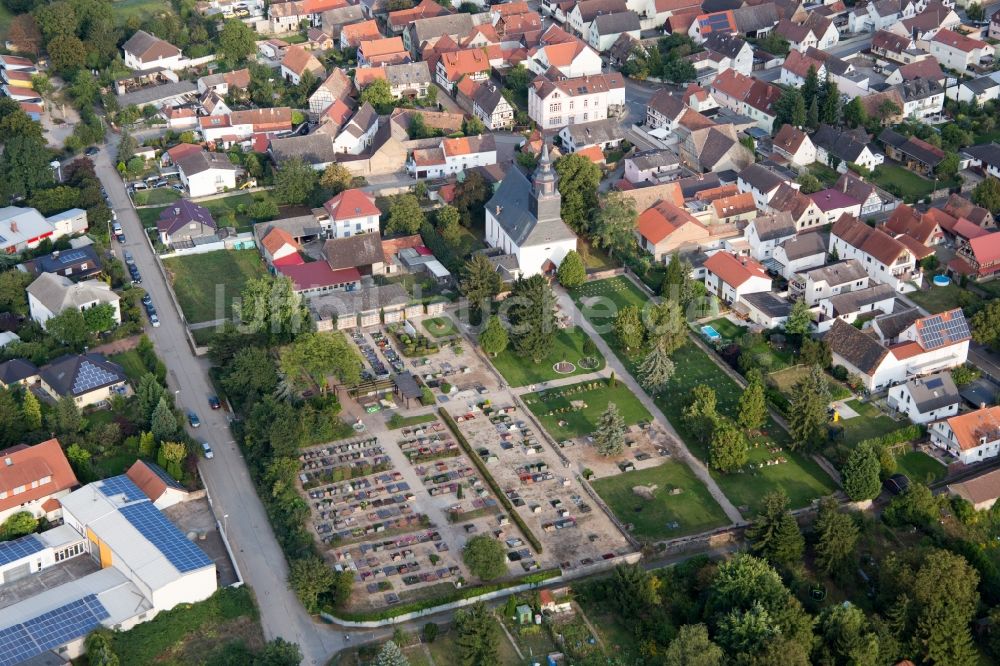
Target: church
[{"x": 524, "y": 219}]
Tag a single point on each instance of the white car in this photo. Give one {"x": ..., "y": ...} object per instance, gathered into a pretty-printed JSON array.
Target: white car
[{"x": 209, "y": 454}]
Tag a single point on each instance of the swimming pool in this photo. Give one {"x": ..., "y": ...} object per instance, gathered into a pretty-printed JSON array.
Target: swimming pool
[{"x": 709, "y": 332}]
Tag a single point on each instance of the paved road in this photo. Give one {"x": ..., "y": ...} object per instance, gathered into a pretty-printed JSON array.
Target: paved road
[
  {"x": 257, "y": 552},
  {"x": 699, "y": 469}
]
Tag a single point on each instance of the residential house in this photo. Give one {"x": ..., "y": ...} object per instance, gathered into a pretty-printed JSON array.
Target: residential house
[
  {"x": 359, "y": 133},
  {"x": 884, "y": 258},
  {"x": 398, "y": 20},
  {"x": 553, "y": 104},
  {"x": 237, "y": 126},
  {"x": 795, "y": 146},
  {"x": 796, "y": 66},
  {"x": 958, "y": 206},
  {"x": 762, "y": 182},
  {"x": 665, "y": 228},
  {"x": 184, "y": 223},
  {"x": 848, "y": 307},
  {"x": 960, "y": 52},
  {"x": 33, "y": 479},
  {"x": 297, "y": 61},
  {"x": 317, "y": 40},
  {"x": 350, "y": 213},
  {"x": 714, "y": 148},
  {"x": 664, "y": 110},
  {"x": 804, "y": 211},
  {"x": 279, "y": 248},
  {"x": 767, "y": 232},
  {"x": 764, "y": 309},
  {"x": 18, "y": 372},
  {"x": 362, "y": 252},
  {"x": 334, "y": 21},
  {"x": 747, "y": 96},
  {"x": 872, "y": 201},
  {"x": 821, "y": 283},
  {"x": 837, "y": 148},
  {"x": 524, "y": 219},
  {"x": 915, "y": 154},
  {"x": 352, "y": 35},
  {"x": 336, "y": 87},
  {"x": 736, "y": 53},
  {"x": 453, "y": 156},
  {"x": 922, "y": 98},
  {"x": 585, "y": 12},
  {"x": 602, "y": 133},
  {"x": 652, "y": 166},
  {"x": 979, "y": 257},
  {"x": 900, "y": 346},
  {"x": 76, "y": 263},
  {"x": 994, "y": 29},
  {"x": 88, "y": 379},
  {"x": 731, "y": 278},
  {"x": 235, "y": 81},
  {"x": 896, "y": 48},
  {"x": 985, "y": 156},
  {"x": 204, "y": 173},
  {"x": 879, "y": 15},
  {"x": 924, "y": 25},
  {"x": 799, "y": 36},
  {"x": 927, "y": 69},
  {"x": 570, "y": 59},
  {"x": 409, "y": 80},
  {"x": 51, "y": 294},
  {"x": 491, "y": 107},
  {"x": 926, "y": 399},
  {"x": 978, "y": 90},
  {"x": 386, "y": 51},
  {"x": 144, "y": 51},
  {"x": 625, "y": 49},
  {"x": 472, "y": 63},
  {"x": 797, "y": 255},
  {"x": 424, "y": 32},
  {"x": 925, "y": 229},
  {"x": 971, "y": 437},
  {"x": 607, "y": 28},
  {"x": 834, "y": 203}
]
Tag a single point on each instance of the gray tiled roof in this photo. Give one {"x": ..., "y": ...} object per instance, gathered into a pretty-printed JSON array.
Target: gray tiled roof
[
  {"x": 652, "y": 159},
  {"x": 409, "y": 73},
  {"x": 58, "y": 292},
  {"x": 614, "y": 24},
  {"x": 804, "y": 245},
  {"x": 933, "y": 391},
  {"x": 774, "y": 225},
  {"x": 360, "y": 250},
  {"x": 437, "y": 26},
  {"x": 840, "y": 272},
  {"x": 16, "y": 370},
  {"x": 594, "y": 132},
  {"x": 768, "y": 303},
  {"x": 891, "y": 325},
  {"x": 859, "y": 349},
  {"x": 510, "y": 206},
  {"x": 853, "y": 301},
  {"x": 80, "y": 374},
  {"x": 316, "y": 148}
]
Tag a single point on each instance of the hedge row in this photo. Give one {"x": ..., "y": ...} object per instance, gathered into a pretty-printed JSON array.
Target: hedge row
[
  {"x": 905, "y": 434},
  {"x": 501, "y": 496},
  {"x": 457, "y": 595}
]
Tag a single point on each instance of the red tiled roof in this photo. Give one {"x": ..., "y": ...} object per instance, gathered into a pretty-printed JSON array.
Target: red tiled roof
[
  {"x": 969, "y": 427},
  {"x": 592, "y": 153},
  {"x": 957, "y": 40},
  {"x": 661, "y": 220},
  {"x": 182, "y": 150},
  {"x": 350, "y": 204},
  {"x": 733, "y": 270},
  {"x": 873, "y": 242},
  {"x": 317, "y": 274},
  {"x": 277, "y": 238},
  {"x": 31, "y": 464},
  {"x": 986, "y": 248}
]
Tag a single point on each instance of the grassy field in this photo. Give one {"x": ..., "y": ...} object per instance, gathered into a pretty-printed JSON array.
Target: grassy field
[
  {"x": 600, "y": 301},
  {"x": 727, "y": 329},
  {"x": 568, "y": 347},
  {"x": 396, "y": 421},
  {"x": 826, "y": 175},
  {"x": 785, "y": 380},
  {"x": 694, "y": 510},
  {"x": 938, "y": 299},
  {"x": 156, "y": 197},
  {"x": 124, "y": 9},
  {"x": 200, "y": 280},
  {"x": 909, "y": 185},
  {"x": 440, "y": 327},
  {"x": 919, "y": 466},
  {"x": 800, "y": 476},
  {"x": 192, "y": 633},
  {"x": 870, "y": 423},
  {"x": 577, "y": 423}
]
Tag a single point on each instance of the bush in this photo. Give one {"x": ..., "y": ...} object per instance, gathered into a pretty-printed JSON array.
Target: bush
[
  {"x": 839, "y": 372},
  {"x": 905, "y": 434},
  {"x": 429, "y": 632}
]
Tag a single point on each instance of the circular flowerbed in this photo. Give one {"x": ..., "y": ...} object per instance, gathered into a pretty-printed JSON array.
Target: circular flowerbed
[
  {"x": 564, "y": 367},
  {"x": 589, "y": 363}
]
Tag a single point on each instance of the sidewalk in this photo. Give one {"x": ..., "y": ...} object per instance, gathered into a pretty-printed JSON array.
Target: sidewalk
[{"x": 623, "y": 375}]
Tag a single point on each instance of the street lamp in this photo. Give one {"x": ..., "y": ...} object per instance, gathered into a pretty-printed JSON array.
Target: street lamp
[{"x": 225, "y": 524}]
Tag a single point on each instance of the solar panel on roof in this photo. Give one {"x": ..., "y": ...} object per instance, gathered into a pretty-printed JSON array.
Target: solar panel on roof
[
  {"x": 72, "y": 256},
  {"x": 90, "y": 377},
  {"x": 935, "y": 383},
  {"x": 59, "y": 626},
  {"x": 11, "y": 551},
  {"x": 184, "y": 555},
  {"x": 936, "y": 331},
  {"x": 122, "y": 485}
]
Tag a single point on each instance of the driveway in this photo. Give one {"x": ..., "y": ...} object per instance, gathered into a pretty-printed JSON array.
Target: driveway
[{"x": 226, "y": 477}]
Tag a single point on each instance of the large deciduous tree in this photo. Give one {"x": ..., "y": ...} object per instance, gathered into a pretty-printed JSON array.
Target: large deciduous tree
[
  {"x": 578, "y": 181},
  {"x": 294, "y": 181},
  {"x": 405, "y": 216},
  {"x": 236, "y": 41},
  {"x": 485, "y": 556},
  {"x": 614, "y": 224},
  {"x": 493, "y": 339}
]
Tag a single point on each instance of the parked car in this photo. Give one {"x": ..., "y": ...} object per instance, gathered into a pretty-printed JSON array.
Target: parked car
[
  {"x": 129, "y": 259},
  {"x": 213, "y": 402},
  {"x": 208, "y": 450},
  {"x": 154, "y": 320},
  {"x": 160, "y": 183},
  {"x": 147, "y": 300},
  {"x": 90, "y": 152},
  {"x": 178, "y": 187},
  {"x": 194, "y": 420}
]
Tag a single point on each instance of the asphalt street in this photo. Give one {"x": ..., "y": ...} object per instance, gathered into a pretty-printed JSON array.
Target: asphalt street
[{"x": 236, "y": 504}]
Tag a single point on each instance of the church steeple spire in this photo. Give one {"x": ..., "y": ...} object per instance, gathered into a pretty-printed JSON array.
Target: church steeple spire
[{"x": 545, "y": 199}]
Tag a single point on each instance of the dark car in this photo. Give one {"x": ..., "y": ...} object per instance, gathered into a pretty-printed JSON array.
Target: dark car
[
  {"x": 897, "y": 484},
  {"x": 93, "y": 150},
  {"x": 193, "y": 420},
  {"x": 213, "y": 402}
]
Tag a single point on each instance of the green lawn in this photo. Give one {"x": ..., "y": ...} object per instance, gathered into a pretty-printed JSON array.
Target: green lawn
[
  {"x": 130, "y": 361},
  {"x": 595, "y": 397},
  {"x": 801, "y": 478},
  {"x": 919, "y": 466},
  {"x": 600, "y": 301},
  {"x": 124, "y": 9},
  {"x": 156, "y": 197},
  {"x": 440, "y": 327},
  {"x": 396, "y": 421},
  {"x": 727, "y": 329},
  {"x": 939, "y": 299},
  {"x": 218, "y": 208},
  {"x": 5, "y": 19},
  {"x": 568, "y": 346},
  {"x": 201, "y": 280},
  {"x": 910, "y": 186},
  {"x": 870, "y": 423},
  {"x": 825, "y": 174},
  {"x": 694, "y": 510}
]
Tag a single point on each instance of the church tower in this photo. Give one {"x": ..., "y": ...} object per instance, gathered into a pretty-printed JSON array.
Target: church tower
[{"x": 545, "y": 199}]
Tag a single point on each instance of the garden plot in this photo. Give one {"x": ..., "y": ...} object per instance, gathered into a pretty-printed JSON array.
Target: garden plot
[{"x": 546, "y": 494}]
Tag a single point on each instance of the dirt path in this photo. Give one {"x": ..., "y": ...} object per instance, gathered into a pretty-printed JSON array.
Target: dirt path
[{"x": 118, "y": 346}]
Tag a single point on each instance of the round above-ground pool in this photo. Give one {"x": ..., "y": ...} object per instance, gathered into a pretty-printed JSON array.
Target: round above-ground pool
[{"x": 941, "y": 280}]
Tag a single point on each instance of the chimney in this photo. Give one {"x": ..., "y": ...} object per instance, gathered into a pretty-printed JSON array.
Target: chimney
[
  {"x": 8, "y": 461},
  {"x": 13, "y": 226}
]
